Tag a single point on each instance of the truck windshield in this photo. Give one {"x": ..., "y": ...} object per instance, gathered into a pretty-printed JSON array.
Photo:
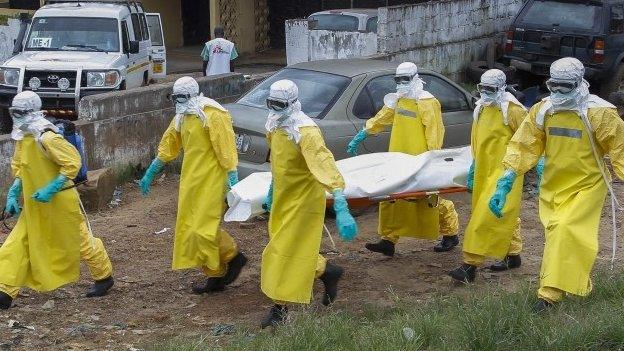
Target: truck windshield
[
  {"x": 73, "y": 34},
  {"x": 336, "y": 22},
  {"x": 575, "y": 15}
]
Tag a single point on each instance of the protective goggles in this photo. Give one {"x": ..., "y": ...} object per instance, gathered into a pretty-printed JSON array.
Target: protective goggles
[
  {"x": 487, "y": 89},
  {"x": 277, "y": 104},
  {"x": 562, "y": 87},
  {"x": 399, "y": 80},
  {"x": 179, "y": 98},
  {"x": 18, "y": 112}
]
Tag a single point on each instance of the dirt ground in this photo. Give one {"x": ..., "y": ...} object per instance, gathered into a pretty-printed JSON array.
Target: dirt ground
[{"x": 151, "y": 303}]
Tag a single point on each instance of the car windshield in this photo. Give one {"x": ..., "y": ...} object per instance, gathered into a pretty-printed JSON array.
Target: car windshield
[
  {"x": 336, "y": 22},
  {"x": 317, "y": 90},
  {"x": 74, "y": 34},
  {"x": 562, "y": 14}
]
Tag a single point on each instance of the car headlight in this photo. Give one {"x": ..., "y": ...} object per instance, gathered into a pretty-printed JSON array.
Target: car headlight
[
  {"x": 106, "y": 79},
  {"x": 9, "y": 76}
]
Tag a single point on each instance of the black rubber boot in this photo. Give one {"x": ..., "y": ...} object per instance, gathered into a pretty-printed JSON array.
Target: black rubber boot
[
  {"x": 510, "y": 262},
  {"x": 5, "y": 301},
  {"x": 211, "y": 285},
  {"x": 330, "y": 279},
  {"x": 235, "y": 266},
  {"x": 277, "y": 315},
  {"x": 447, "y": 243},
  {"x": 542, "y": 306},
  {"x": 100, "y": 287},
  {"x": 466, "y": 273},
  {"x": 385, "y": 247}
]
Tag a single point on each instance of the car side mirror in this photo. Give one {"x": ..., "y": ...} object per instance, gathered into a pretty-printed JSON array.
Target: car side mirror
[{"x": 133, "y": 48}]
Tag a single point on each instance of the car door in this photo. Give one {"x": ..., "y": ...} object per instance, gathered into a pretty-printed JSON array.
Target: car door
[
  {"x": 159, "y": 51},
  {"x": 456, "y": 110},
  {"x": 366, "y": 102}
]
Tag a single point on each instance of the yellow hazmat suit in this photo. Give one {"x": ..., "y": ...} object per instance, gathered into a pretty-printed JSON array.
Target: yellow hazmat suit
[
  {"x": 572, "y": 191},
  {"x": 416, "y": 128},
  {"x": 44, "y": 249},
  {"x": 209, "y": 153},
  {"x": 486, "y": 235},
  {"x": 301, "y": 176}
]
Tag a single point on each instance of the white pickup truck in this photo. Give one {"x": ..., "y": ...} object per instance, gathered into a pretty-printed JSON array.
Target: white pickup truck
[{"x": 79, "y": 48}]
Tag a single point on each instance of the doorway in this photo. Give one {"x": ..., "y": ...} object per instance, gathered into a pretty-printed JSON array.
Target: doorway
[{"x": 195, "y": 21}]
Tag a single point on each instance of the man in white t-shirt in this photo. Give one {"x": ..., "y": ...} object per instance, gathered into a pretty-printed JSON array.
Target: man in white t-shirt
[{"x": 218, "y": 54}]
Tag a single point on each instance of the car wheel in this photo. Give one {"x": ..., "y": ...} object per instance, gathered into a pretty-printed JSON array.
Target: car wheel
[
  {"x": 477, "y": 68},
  {"x": 614, "y": 88}
]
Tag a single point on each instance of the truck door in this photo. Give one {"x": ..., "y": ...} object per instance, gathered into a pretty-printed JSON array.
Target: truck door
[{"x": 159, "y": 51}]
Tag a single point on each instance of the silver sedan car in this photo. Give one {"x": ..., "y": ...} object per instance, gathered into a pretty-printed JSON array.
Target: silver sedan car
[{"x": 341, "y": 95}]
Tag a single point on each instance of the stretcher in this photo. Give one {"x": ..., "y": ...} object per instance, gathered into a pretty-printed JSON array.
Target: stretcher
[
  {"x": 362, "y": 202},
  {"x": 370, "y": 179}
]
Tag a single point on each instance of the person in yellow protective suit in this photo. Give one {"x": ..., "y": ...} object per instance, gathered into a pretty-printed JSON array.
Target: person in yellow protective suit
[
  {"x": 574, "y": 130},
  {"x": 497, "y": 116},
  {"x": 303, "y": 170},
  {"x": 203, "y": 129},
  {"x": 416, "y": 119},
  {"x": 44, "y": 249}
]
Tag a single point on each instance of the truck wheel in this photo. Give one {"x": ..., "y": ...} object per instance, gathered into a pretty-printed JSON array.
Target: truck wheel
[
  {"x": 477, "y": 68},
  {"x": 614, "y": 85}
]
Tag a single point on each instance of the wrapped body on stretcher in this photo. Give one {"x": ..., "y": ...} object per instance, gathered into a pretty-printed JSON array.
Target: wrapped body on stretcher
[{"x": 370, "y": 178}]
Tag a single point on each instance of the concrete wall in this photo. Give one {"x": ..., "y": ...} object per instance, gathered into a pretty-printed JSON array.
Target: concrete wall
[
  {"x": 304, "y": 45},
  {"x": 444, "y": 35},
  {"x": 8, "y": 35},
  {"x": 124, "y": 128}
]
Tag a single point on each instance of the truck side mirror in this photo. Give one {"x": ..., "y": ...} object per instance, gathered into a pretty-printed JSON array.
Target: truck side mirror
[{"x": 133, "y": 47}]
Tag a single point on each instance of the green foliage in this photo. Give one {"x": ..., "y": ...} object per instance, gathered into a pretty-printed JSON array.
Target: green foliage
[{"x": 485, "y": 320}]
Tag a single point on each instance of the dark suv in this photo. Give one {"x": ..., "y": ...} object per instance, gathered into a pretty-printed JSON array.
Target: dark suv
[{"x": 592, "y": 31}]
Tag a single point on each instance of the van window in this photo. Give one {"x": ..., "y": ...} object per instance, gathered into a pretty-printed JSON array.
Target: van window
[
  {"x": 124, "y": 36},
  {"x": 136, "y": 27},
  {"x": 144, "y": 29},
  {"x": 156, "y": 32},
  {"x": 562, "y": 14},
  {"x": 617, "y": 19}
]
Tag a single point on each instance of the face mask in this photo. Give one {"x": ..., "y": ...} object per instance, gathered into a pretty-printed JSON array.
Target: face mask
[{"x": 563, "y": 101}]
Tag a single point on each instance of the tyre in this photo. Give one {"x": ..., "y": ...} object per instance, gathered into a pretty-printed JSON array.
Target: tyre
[
  {"x": 614, "y": 85},
  {"x": 477, "y": 68}
]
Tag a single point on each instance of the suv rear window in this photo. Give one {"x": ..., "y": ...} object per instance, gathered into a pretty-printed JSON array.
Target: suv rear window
[
  {"x": 562, "y": 14},
  {"x": 336, "y": 22}
]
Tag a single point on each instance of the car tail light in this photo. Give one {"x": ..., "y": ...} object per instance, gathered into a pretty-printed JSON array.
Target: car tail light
[
  {"x": 599, "y": 51},
  {"x": 509, "y": 41}
]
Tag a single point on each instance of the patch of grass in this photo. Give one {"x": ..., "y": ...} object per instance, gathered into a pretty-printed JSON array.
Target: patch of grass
[{"x": 490, "y": 320}]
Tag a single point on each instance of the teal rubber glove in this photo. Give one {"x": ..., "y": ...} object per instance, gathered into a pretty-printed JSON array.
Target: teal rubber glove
[
  {"x": 470, "y": 180},
  {"x": 12, "y": 203},
  {"x": 539, "y": 168},
  {"x": 354, "y": 144},
  {"x": 268, "y": 201},
  {"x": 232, "y": 178},
  {"x": 146, "y": 182},
  {"x": 46, "y": 193},
  {"x": 344, "y": 220},
  {"x": 503, "y": 187}
]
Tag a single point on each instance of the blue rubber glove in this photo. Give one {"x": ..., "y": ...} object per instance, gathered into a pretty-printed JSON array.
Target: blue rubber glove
[
  {"x": 12, "y": 203},
  {"x": 539, "y": 168},
  {"x": 232, "y": 178},
  {"x": 268, "y": 201},
  {"x": 46, "y": 193},
  {"x": 344, "y": 220},
  {"x": 470, "y": 180},
  {"x": 354, "y": 144},
  {"x": 503, "y": 187},
  {"x": 146, "y": 182}
]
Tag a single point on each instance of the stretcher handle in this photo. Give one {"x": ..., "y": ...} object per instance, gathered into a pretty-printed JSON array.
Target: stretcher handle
[{"x": 368, "y": 201}]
